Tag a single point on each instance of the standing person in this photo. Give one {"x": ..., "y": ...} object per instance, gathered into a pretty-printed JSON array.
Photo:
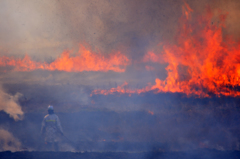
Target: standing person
[{"x": 51, "y": 129}]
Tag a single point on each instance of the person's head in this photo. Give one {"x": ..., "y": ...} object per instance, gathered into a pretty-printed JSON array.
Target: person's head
[{"x": 50, "y": 109}]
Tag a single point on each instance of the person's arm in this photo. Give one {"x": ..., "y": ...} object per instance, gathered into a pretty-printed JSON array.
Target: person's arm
[
  {"x": 59, "y": 126},
  {"x": 43, "y": 128}
]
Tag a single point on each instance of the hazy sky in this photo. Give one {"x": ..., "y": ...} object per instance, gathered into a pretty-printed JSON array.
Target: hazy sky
[{"x": 43, "y": 29}]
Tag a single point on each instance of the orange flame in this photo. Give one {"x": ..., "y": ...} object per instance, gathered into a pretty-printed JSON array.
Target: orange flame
[
  {"x": 85, "y": 60},
  {"x": 120, "y": 89},
  {"x": 202, "y": 63},
  {"x": 151, "y": 112},
  {"x": 123, "y": 89}
]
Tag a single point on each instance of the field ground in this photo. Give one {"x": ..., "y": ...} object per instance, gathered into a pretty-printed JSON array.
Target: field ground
[{"x": 197, "y": 154}]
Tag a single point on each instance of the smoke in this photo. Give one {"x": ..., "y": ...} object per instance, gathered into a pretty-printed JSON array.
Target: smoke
[
  {"x": 43, "y": 29},
  {"x": 8, "y": 142},
  {"x": 9, "y": 104}
]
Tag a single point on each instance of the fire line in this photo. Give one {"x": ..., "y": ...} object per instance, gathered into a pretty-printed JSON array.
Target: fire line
[
  {"x": 203, "y": 62},
  {"x": 85, "y": 60}
]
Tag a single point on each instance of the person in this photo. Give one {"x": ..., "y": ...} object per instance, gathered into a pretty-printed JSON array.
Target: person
[{"x": 51, "y": 129}]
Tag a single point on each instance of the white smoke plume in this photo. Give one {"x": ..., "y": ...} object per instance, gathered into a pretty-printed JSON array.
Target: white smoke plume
[
  {"x": 8, "y": 142},
  {"x": 9, "y": 104}
]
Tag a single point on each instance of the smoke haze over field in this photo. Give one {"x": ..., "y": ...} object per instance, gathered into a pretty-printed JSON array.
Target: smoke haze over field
[{"x": 107, "y": 67}]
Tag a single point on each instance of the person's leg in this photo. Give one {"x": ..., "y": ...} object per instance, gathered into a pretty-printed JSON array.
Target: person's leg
[
  {"x": 56, "y": 147},
  {"x": 49, "y": 146}
]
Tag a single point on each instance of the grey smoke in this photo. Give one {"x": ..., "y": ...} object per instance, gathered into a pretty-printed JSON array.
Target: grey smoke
[
  {"x": 8, "y": 141},
  {"x": 9, "y": 104}
]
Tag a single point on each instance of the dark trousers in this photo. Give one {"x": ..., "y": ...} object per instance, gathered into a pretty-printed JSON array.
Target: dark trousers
[{"x": 52, "y": 146}]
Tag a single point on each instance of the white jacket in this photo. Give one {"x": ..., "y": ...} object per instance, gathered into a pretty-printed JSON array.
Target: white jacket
[{"x": 51, "y": 128}]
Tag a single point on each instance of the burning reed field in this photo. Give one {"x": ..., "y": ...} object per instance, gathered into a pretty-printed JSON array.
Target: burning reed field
[{"x": 126, "y": 78}]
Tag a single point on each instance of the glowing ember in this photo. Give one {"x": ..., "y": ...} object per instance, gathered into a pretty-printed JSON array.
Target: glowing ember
[
  {"x": 85, "y": 60},
  {"x": 202, "y": 62},
  {"x": 150, "y": 112}
]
